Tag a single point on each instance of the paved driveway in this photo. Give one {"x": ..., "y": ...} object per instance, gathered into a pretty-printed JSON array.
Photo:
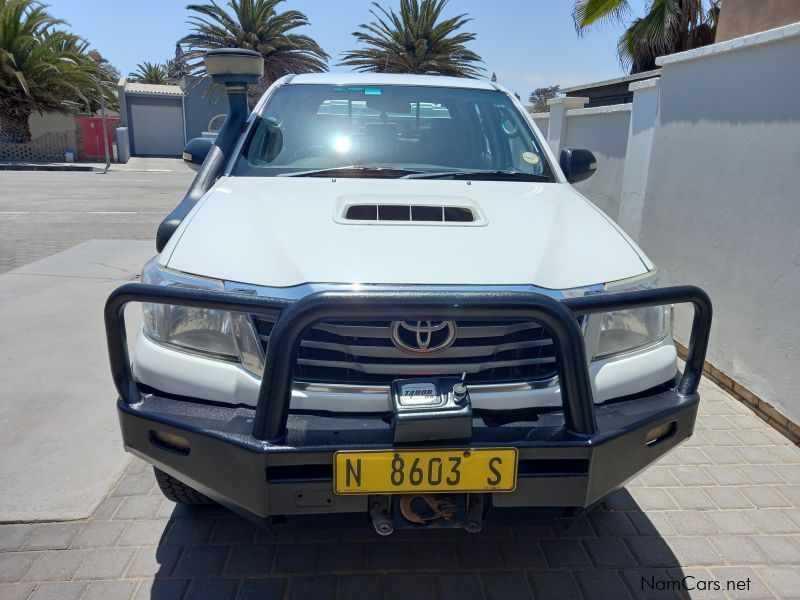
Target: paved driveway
[
  {"x": 720, "y": 515},
  {"x": 723, "y": 510},
  {"x": 46, "y": 212}
]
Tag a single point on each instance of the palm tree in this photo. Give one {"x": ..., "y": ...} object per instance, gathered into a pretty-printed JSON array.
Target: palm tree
[
  {"x": 255, "y": 25},
  {"x": 668, "y": 26},
  {"x": 176, "y": 67},
  {"x": 109, "y": 76},
  {"x": 414, "y": 41},
  {"x": 150, "y": 73},
  {"x": 42, "y": 69}
]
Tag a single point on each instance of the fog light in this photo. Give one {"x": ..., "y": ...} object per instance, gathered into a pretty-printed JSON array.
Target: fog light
[{"x": 661, "y": 433}]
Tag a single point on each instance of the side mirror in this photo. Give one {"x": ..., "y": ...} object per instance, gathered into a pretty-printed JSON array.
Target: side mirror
[
  {"x": 196, "y": 151},
  {"x": 577, "y": 163}
]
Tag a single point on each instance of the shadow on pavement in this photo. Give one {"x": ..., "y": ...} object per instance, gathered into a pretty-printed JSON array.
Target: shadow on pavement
[{"x": 615, "y": 551}]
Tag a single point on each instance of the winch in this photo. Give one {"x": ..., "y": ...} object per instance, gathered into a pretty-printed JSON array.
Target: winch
[{"x": 430, "y": 409}]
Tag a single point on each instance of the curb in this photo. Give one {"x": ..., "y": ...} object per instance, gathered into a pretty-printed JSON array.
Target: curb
[{"x": 34, "y": 167}]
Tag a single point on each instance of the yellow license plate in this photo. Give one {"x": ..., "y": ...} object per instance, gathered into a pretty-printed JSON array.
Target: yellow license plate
[{"x": 403, "y": 471}]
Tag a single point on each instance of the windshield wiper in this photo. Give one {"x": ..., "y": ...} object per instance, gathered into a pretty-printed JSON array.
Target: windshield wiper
[
  {"x": 354, "y": 171},
  {"x": 486, "y": 175}
]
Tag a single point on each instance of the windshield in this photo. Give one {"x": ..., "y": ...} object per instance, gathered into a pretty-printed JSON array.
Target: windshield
[{"x": 390, "y": 131}]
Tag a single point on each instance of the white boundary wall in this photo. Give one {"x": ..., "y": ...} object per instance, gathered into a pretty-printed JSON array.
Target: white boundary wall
[
  {"x": 703, "y": 170},
  {"x": 604, "y": 130},
  {"x": 542, "y": 121},
  {"x": 722, "y": 203}
]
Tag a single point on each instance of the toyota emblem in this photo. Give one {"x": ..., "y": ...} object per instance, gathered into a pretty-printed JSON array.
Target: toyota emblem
[{"x": 423, "y": 337}]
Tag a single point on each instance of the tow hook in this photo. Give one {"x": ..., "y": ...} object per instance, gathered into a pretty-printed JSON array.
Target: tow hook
[
  {"x": 440, "y": 508},
  {"x": 430, "y": 511}
]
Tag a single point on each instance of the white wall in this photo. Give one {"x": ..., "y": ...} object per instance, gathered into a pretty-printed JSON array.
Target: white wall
[
  {"x": 722, "y": 203},
  {"x": 604, "y": 131},
  {"x": 706, "y": 162},
  {"x": 542, "y": 121},
  {"x": 644, "y": 111}
]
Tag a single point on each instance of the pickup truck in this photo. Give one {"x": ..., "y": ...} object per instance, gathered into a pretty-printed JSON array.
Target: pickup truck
[{"x": 382, "y": 295}]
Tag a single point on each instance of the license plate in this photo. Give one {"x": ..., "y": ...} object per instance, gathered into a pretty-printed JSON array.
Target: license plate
[{"x": 403, "y": 471}]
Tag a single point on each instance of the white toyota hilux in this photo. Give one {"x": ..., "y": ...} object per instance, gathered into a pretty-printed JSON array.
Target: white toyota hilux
[{"x": 381, "y": 295}]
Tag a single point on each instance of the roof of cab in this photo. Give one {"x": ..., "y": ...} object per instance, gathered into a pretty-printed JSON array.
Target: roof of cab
[{"x": 391, "y": 79}]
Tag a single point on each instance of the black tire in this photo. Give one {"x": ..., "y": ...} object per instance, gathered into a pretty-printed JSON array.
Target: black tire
[{"x": 179, "y": 492}]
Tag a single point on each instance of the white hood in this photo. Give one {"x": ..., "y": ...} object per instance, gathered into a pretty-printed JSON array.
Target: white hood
[{"x": 287, "y": 231}]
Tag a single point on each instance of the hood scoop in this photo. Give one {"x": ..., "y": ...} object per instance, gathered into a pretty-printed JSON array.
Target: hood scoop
[{"x": 399, "y": 213}]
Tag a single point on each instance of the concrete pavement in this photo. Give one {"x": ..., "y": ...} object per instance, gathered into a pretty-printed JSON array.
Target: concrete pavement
[{"x": 59, "y": 439}]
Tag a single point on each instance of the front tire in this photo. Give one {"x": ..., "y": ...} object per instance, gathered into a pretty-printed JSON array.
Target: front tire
[{"x": 179, "y": 492}]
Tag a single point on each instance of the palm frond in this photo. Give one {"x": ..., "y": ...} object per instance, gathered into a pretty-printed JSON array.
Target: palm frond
[
  {"x": 41, "y": 67},
  {"x": 415, "y": 40},
  {"x": 255, "y": 25},
  {"x": 147, "y": 72},
  {"x": 586, "y": 13},
  {"x": 667, "y": 26}
]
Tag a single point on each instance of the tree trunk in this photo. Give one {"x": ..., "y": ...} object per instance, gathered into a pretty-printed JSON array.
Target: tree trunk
[{"x": 14, "y": 127}]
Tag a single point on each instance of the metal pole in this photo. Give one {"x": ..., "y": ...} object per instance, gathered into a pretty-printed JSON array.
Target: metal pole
[{"x": 103, "y": 116}]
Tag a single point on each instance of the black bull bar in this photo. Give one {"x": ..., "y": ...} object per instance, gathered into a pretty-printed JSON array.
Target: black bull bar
[{"x": 558, "y": 316}]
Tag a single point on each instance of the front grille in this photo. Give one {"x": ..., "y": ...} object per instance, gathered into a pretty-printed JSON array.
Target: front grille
[{"x": 362, "y": 353}]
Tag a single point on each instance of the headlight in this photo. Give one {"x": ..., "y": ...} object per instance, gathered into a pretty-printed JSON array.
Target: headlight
[
  {"x": 623, "y": 331},
  {"x": 627, "y": 330},
  {"x": 216, "y": 334}
]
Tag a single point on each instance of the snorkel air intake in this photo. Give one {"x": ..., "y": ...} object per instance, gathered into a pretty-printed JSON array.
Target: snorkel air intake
[{"x": 235, "y": 69}]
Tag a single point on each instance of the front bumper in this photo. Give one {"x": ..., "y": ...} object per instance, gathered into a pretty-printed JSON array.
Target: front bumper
[{"x": 267, "y": 461}]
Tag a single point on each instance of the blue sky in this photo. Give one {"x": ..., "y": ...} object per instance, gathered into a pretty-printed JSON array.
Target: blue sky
[{"x": 528, "y": 43}]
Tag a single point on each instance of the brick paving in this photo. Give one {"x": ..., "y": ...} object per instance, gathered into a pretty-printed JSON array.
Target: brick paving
[{"x": 722, "y": 510}]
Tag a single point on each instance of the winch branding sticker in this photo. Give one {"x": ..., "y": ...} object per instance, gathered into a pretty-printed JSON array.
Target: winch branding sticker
[{"x": 419, "y": 394}]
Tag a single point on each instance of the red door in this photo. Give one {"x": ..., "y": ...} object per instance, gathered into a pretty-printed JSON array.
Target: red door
[{"x": 93, "y": 138}]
